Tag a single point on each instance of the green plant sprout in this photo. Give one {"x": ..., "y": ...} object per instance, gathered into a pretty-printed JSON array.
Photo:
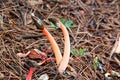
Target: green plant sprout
[
  {"x": 114, "y": 73},
  {"x": 96, "y": 62},
  {"x": 67, "y": 23},
  {"x": 77, "y": 52},
  {"x": 53, "y": 25}
]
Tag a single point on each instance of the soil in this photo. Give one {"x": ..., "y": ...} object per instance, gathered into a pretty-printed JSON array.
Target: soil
[{"x": 97, "y": 25}]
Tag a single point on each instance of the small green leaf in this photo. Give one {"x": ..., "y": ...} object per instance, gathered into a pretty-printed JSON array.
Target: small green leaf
[
  {"x": 63, "y": 20},
  {"x": 52, "y": 25},
  {"x": 96, "y": 62},
  {"x": 72, "y": 26},
  {"x": 68, "y": 23},
  {"x": 77, "y": 52},
  {"x": 74, "y": 52},
  {"x": 82, "y": 51}
]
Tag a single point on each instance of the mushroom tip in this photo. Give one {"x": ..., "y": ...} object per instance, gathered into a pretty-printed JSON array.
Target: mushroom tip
[{"x": 37, "y": 21}]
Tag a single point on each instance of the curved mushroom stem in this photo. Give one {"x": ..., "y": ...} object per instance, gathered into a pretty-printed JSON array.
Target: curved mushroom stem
[
  {"x": 61, "y": 62},
  {"x": 54, "y": 46},
  {"x": 65, "y": 59}
]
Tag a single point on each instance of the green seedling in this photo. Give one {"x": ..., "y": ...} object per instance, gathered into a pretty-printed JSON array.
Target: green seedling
[
  {"x": 82, "y": 51},
  {"x": 53, "y": 25},
  {"x": 96, "y": 62},
  {"x": 67, "y": 23},
  {"x": 74, "y": 52},
  {"x": 63, "y": 20},
  {"x": 114, "y": 73},
  {"x": 77, "y": 52}
]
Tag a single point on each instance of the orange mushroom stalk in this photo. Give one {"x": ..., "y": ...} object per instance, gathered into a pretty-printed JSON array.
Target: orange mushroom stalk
[
  {"x": 55, "y": 47},
  {"x": 61, "y": 62},
  {"x": 65, "y": 59}
]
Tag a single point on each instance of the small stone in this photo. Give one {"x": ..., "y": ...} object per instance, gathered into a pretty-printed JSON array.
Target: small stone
[
  {"x": 1, "y": 76},
  {"x": 43, "y": 77}
]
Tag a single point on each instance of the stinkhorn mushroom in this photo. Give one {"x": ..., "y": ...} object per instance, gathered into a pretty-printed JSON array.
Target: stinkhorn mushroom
[
  {"x": 61, "y": 62},
  {"x": 55, "y": 47},
  {"x": 65, "y": 59}
]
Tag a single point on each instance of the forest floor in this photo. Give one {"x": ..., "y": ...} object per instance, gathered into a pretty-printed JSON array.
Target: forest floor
[{"x": 93, "y": 26}]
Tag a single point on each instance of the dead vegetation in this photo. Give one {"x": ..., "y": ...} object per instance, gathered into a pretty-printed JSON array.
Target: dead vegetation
[{"x": 97, "y": 21}]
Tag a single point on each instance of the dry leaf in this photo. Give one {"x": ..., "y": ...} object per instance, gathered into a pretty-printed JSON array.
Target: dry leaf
[{"x": 34, "y": 54}]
